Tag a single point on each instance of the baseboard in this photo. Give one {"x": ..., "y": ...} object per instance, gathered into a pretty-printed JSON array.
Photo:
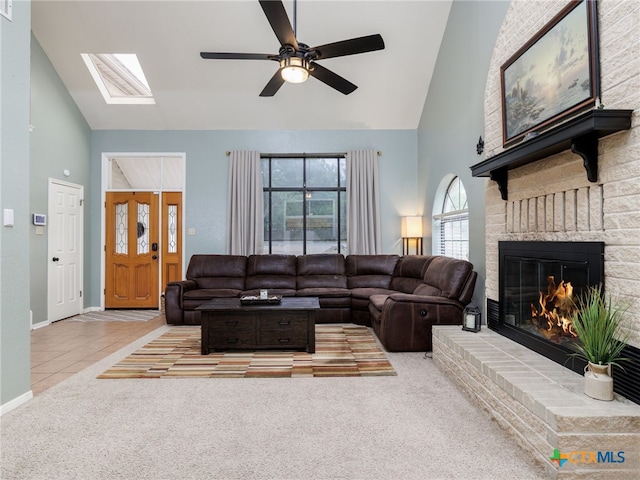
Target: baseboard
[
  {"x": 92, "y": 309},
  {"x": 38, "y": 325},
  {"x": 16, "y": 402}
]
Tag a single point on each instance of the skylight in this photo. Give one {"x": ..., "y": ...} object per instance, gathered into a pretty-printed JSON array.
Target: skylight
[{"x": 119, "y": 78}]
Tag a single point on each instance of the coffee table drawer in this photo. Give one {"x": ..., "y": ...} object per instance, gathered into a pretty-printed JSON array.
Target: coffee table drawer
[
  {"x": 233, "y": 331},
  {"x": 285, "y": 330}
]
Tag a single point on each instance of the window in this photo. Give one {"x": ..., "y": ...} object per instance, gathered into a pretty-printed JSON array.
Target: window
[
  {"x": 451, "y": 220},
  {"x": 119, "y": 78},
  {"x": 304, "y": 205}
]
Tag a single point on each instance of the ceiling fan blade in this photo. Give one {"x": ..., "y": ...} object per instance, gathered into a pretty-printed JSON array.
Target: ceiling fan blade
[
  {"x": 273, "y": 86},
  {"x": 369, "y": 43},
  {"x": 332, "y": 79},
  {"x": 277, "y": 17},
  {"x": 237, "y": 56}
]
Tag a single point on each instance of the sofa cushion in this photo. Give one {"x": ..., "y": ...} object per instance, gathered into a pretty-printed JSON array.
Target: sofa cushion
[
  {"x": 409, "y": 272},
  {"x": 325, "y": 270},
  {"x": 360, "y": 297},
  {"x": 323, "y": 292},
  {"x": 335, "y": 302},
  {"x": 365, "y": 293},
  {"x": 445, "y": 277},
  {"x": 377, "y": 301},
  {"x": 209, "y": 293},
  {"x": 270, "y": 272},
  {"x": 370, "y": 270},
  {"x": 285, "y": 292},
  {"x": 218, "y": 271}
]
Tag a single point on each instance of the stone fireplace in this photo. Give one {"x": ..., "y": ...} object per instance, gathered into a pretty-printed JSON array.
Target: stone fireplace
[
  {"x": 554, "y": 199},
  {"x": 539, "y": 285}
]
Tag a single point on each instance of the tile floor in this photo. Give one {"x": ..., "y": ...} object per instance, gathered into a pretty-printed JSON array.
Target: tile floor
[{"x": 66, "y": 347}]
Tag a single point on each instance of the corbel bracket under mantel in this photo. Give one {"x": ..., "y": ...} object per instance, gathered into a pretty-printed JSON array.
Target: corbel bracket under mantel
[{"x": 580, "y": 135}]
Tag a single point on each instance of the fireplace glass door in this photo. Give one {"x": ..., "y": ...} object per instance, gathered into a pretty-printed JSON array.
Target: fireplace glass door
[
  {"x": 539, "y": 295},
  {"x": 540, "y": 283}
]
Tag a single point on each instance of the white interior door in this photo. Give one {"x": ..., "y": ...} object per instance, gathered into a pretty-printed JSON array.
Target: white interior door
[{"x": 65, "y": 250}]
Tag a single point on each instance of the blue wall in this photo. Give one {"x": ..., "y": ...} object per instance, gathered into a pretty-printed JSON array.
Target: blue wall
[
  {"x": 60, "y": 140},
  {"x": 206, "y": 176},
  {"x": 453, "y": 118},
  {"x": 14, "y": 194}
]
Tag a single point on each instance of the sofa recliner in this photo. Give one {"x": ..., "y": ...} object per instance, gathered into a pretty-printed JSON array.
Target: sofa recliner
[
  {"x": 403, "y": 320},
  {"x": 400, "y": 297}
]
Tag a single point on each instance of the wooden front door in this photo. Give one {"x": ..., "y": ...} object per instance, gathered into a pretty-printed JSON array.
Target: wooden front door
[
  {"x": 171, "y": 237},
  {"x": 132, "y": 250}
]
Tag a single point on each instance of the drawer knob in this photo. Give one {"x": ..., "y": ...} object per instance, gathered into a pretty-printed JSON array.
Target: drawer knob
[{"x": 284, "y": 340}]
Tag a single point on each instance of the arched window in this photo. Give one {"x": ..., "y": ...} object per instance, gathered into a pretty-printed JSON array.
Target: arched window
[{"x": 451, "y": 220}]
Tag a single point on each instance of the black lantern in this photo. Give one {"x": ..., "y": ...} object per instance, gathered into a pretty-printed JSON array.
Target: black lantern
[{"x": 471, "y": 319}]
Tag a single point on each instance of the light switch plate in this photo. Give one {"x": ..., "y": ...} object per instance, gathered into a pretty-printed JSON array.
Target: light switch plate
[{"x": 8, "y": 217}]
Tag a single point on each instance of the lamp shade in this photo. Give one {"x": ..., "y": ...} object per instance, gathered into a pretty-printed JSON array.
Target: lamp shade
[{"x": 412, "y": 227}]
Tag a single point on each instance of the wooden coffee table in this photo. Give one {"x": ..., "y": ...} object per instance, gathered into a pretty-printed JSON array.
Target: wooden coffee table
[{"x": 289, "y": 325}]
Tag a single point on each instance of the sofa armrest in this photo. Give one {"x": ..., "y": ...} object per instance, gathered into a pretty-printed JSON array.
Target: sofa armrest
[
  {"x": 406, "y": 320},
  {"x": 425, "y": 300},
  {"x": 173, "y": 300}
]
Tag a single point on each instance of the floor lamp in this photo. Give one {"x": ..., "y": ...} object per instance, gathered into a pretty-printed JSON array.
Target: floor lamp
[{"x": 412, "y": 230}]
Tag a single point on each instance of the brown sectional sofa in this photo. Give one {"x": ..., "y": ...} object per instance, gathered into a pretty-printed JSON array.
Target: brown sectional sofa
[{"x": 400, "y": 297}]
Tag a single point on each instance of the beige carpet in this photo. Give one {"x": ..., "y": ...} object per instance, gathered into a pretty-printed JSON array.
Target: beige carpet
[
  {"x": 414, "y": 425},
  {"x": 341, "y": 351}
]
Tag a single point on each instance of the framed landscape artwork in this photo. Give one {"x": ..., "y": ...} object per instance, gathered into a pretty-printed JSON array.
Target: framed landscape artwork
[{"x": 554, "y": 75}]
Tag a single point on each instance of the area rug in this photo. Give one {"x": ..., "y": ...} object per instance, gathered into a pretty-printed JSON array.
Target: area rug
[
  {"x": 341, "y": 351},
  {"x": 116, "y": 316}
]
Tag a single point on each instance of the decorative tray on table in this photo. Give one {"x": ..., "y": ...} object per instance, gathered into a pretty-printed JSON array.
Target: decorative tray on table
[{"x": 256, "y": 300}]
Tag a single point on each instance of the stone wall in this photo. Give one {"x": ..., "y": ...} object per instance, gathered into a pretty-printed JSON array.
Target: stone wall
[{"x": 552, "y": 199}]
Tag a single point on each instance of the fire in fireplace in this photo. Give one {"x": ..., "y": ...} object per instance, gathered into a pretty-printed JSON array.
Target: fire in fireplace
[
  {"x": 551, "y": 315},
  {"x": 538, "y": 284}
]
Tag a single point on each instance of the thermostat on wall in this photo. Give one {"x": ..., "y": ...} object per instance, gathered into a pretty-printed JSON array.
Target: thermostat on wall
[{"x": 39, "y": 219}]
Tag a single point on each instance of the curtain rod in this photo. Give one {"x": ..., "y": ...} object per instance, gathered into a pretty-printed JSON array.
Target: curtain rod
[{"x": 298, "y": 155}]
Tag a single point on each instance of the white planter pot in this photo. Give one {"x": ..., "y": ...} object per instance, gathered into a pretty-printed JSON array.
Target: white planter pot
[{"x": 598, "y": 383}]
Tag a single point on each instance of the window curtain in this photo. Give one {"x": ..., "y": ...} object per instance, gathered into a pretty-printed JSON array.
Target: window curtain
[
  {"x": 363, "y": 203},
  {"x": 245, "y": 217}
]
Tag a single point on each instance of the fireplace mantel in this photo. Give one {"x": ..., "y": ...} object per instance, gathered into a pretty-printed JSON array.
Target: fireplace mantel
[{"x": 579, "y": 134}]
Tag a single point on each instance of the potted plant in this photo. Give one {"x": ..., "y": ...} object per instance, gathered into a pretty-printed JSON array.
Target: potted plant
[{"x": 599, "y": 326}]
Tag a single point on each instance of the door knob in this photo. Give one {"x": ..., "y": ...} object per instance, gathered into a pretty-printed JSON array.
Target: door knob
[
  {"x": 155, "y": 257},
  {"x": 55, "y": 259}
]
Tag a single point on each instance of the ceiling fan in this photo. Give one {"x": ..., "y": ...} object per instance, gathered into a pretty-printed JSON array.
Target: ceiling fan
[{"x": 297, "y": 60}]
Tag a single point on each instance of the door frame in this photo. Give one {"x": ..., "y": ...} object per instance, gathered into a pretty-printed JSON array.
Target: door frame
[
  {"x": 80, "y": 243},
  {"x": 104, "y": 183}
]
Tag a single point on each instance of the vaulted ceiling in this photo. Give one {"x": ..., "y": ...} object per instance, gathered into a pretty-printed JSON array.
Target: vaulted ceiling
[{"x": 196, "y": 94}]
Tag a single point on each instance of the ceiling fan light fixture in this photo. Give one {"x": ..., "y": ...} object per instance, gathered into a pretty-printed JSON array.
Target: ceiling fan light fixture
[{"x": 294, "y": 69}]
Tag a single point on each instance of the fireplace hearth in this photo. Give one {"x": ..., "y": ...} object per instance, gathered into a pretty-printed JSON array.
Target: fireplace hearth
[
  {"x": 536, "y": 282},
  {"x": 539, "y": 282}
]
